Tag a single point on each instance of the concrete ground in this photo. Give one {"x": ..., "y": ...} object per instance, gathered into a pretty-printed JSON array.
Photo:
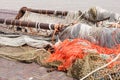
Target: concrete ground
[{"x": 11, "y": 70}]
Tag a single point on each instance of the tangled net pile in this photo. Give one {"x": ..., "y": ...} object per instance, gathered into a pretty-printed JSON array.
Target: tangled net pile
[
  {"x": 79, "y": 57},
  {"x": 68, "y": 51}
]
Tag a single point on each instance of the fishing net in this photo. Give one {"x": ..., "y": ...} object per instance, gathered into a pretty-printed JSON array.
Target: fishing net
[
  {"x": 27, "y": 54},
  {"x": 99, "y": 17},
  {"x": 106, "y": 37},
  {"x": 77, "y": 54},
  {"x": 45, "y": 18},
  {"x": 50, "y": 18},
  {"x": 79, "y": 57},
  {"x": 98, "y": 13},
  {"x": 20, "y": 40},
  {"x": 17, "y": 53}
]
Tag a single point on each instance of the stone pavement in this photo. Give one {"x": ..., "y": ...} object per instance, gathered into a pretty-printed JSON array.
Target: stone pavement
[{"x": 13, "y": 70}]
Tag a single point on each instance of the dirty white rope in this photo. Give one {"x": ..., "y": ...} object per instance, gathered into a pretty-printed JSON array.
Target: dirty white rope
[
  {"x": 101, "y": 67},
  {"x": 78, "y": 19},
  {"x": 39, "y": 27},
  {"x": 50, "y": 26},
  {"x": 36, "y": 26},
  {"x": 5, "y": 21},
  {"x": 55, "y": 12},
  {"x": 110, "y": 77}
]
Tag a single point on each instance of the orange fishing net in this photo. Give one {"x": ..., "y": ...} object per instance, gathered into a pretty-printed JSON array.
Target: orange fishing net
[{"x": 70, "y": 50}]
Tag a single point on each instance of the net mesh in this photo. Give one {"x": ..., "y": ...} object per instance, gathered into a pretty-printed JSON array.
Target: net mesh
[
  {"x": 46, "y": 18},
  {"x": 79, "y": 56}
]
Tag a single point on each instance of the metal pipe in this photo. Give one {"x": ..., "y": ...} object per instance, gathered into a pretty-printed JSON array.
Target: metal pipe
[
  {"x": 23, "y": 9},
  {"x": 63, "y": 13},
  {"x": 28, "y": 24}
]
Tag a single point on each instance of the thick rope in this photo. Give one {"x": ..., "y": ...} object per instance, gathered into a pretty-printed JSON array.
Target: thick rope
[{"x": 101, "y": 67}]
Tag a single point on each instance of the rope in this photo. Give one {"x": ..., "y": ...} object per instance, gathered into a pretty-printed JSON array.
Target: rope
[
  {"x": 110, "y": 77},
  {"x": 57, "y": 28},
  {"x": 5, "y": 21},
  {"x": 39, "y": 25},
  {"x": 50, "y": 26},
  {"x": 55, "y": 12},
  {"x": 36, "y": 25},
  {"x": 77, "y": 20},
  {"x": 101, "y": 67}
]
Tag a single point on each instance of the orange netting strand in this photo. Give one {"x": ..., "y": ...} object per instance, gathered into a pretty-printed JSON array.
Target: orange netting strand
[{"x": 68, "y": 51}]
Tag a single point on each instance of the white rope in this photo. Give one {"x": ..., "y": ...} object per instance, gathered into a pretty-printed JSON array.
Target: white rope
[
  {"x": 80, "y": 16},
  {"x": 101, "y": 67},
  {"x": 110, "y": 77},
  {"x": 39, "y": 25},
  {"x": 5, "y": 21},
  {"x": 50, "y": 26},
  {"x": 36, "y": 25},
  {"x": 55, "y": 12}
]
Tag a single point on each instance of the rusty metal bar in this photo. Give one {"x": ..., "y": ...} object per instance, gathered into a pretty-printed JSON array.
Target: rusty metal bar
[
  {"x": 27, "y": 24},
  {"x": 63, "y": 13},
  {"x": 23, "y": 9}
]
